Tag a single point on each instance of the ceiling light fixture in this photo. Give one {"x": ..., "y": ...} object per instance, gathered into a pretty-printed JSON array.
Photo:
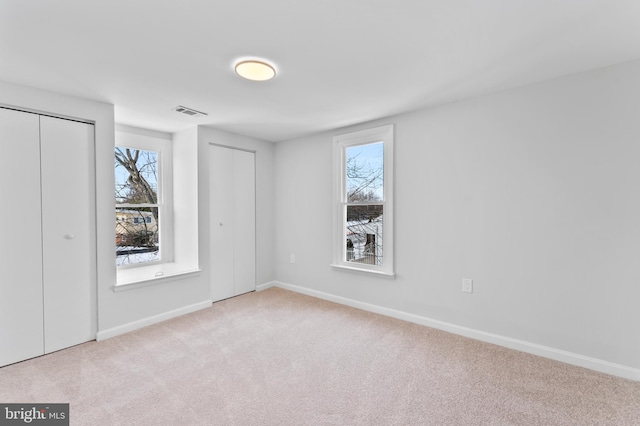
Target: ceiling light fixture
[{"x": 255, "y": 70}]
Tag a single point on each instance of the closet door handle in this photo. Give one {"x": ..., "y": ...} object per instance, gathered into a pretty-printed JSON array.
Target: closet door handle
[{"x": 69, "y": 236}]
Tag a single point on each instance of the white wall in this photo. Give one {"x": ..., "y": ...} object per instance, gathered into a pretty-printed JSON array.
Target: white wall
[
  {"x": 126, "y": 310},
  {"x": 534, "y": 193},
  {"x": 265, "y": 209},
  {"x": 101, "y": 114},
  {"x": 185, "y": 197},
  {"x": 134, "y": 306}
]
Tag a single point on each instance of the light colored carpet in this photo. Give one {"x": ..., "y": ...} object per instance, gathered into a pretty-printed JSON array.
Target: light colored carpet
[{"x": 281, "y": 358}]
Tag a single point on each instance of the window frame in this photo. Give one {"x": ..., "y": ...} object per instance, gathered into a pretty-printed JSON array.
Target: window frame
[
  {"x": 384, "y": 134},
  {"x": 164, "y": 200}
]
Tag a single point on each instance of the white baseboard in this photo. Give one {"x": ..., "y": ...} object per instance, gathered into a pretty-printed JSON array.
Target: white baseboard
[
  {"x": 135, "y": 325},
  {"x": 520, "y": 345},
  {"x": 264, "y": 286}
]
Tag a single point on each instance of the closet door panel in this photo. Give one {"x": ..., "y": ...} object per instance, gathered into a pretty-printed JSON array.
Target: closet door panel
[
  {"x": 21, "y": 329},
  {"x": 68, "y": 218},
  {"x": 222, "y": 222},
  {"x": 244, "y": 207}
]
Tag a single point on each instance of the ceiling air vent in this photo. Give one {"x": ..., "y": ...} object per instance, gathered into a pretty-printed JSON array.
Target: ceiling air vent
[{"x": 188, "y": 111}]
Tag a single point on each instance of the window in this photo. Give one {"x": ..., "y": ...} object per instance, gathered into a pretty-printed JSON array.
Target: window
[
  {"x": 143, "y": 218},
  {"x": 363, "y": 212},
  {"x": 142, "y": 213}
]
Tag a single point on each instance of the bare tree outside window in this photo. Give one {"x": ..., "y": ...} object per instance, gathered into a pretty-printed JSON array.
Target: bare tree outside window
[
  {"x": 136, "y": 194},
  {"x": 364, "y": 180}
]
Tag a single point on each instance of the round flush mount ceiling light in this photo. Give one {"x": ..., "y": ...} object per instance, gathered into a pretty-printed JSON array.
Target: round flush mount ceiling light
[{"x": 255, "y": 70}]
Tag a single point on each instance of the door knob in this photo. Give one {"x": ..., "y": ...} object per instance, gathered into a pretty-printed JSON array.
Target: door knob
[
  {"x": 221, "y": 224},
  {"x": 69, "y": 236}
]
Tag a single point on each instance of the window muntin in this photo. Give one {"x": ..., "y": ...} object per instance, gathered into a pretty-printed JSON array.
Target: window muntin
[
  {"x": 363, "y": 185},
  {"x": 138, "y": 209}
]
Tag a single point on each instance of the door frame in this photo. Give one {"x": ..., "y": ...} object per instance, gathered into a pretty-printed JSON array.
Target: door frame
[{"x": 255, "y": 215}]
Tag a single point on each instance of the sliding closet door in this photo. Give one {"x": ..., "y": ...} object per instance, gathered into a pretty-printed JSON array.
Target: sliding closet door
[
  {"x": 21, "y": 330},
  {"x": 232, "y": 221},
  {"x": 68, "y": 224},
  {"x": 221, "y": 222}
]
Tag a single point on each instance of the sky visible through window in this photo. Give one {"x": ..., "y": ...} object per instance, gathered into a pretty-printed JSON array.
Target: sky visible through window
[
  {"x": 366, "y": 161},
  {"x": 147, "y": 165}
]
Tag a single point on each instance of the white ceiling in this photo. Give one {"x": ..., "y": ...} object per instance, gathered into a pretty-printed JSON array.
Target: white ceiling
[{"x": 339, "y": 62}]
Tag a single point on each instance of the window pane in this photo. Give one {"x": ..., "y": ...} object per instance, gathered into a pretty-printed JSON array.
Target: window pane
[
  {"x": 136, "y": 176},
  {"x": 364, "y": 234},
  {"x": 136, "y": 235},
  {"x": 364, "y": 168}
]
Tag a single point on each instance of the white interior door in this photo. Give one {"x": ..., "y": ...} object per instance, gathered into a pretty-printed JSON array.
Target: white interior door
[
  {"x": 68, "y": 232},
  {"x": 232, "y": 222},
  {"x": 244, "y": 211},
  {"x": 221, "y": 222},
  {"x": 21, "y": 314}
]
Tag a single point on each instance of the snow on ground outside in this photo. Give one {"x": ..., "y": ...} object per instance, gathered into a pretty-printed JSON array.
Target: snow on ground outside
[{"x": 134, "y": 258}]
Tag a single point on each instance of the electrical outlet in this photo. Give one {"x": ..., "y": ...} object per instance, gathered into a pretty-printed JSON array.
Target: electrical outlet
[
  {"x": 467, "y": 285},
  {"x": 292, "y": 258}
]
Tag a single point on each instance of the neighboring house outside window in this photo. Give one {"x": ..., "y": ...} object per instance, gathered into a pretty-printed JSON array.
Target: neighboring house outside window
[{"x": 363, "y": 193}]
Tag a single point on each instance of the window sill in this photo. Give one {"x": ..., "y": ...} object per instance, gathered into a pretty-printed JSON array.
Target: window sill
[
  {"x": 132, "y": 278},
  {"x": 366, "y": 271}
]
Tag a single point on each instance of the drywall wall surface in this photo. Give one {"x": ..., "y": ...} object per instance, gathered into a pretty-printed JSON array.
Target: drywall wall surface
[
  {"x": 101, "y": 114},
  {"x": 185, "y": 196},
  {"x": 532, "y": 193},
  {"x": 265, "y": 230},
  {"x": 139, "y": 306},
  {"x": 125, "y": 308}
]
